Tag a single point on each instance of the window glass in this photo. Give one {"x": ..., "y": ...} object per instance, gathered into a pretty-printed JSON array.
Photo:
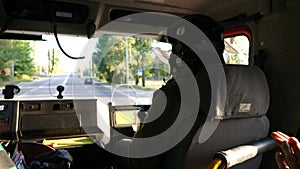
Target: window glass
[
  {"x": 129, "y": 69},
  {"x": 236, "y": 50},
  {"x": 117, "y": 69}
]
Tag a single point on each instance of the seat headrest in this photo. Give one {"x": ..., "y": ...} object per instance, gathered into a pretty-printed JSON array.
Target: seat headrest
[{"x": 247, "y": 92}]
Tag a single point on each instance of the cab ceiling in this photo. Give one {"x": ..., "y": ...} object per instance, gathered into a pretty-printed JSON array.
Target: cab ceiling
[
  {"x": 219, "y": 9},
  {"x": 99, "y": 12}
]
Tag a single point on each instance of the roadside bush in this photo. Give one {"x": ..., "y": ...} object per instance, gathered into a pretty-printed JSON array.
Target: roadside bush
[{"x": 25, "y": 78}]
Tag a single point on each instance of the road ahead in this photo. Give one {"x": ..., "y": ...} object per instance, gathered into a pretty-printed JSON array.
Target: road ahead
[{"x": 45, "y": 88}]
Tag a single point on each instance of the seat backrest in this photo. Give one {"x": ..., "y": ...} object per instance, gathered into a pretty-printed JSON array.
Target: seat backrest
[{"x": 242, "y": 121}]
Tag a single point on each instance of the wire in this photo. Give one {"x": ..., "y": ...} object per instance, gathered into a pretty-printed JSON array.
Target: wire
[{"x": 58, "y": 43}]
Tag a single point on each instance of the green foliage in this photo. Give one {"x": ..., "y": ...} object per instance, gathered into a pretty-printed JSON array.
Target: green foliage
[
  {"x": 142, "y": 56},
  {"x": 86, "y": 72},
  {"x": 110, "y": 55},
  {"x": 18, "y": 53},
  {"x": 109, "y": 60},
  {"x": 53, "y": 61},
  {"x": 234, "y": 59},
  {"x": 159, "y": 69},
  {"x": 5, "y": 54},
  {"x": 25, "y": 77}
]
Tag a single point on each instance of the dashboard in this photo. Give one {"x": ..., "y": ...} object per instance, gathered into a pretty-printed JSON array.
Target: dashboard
[
  {"x": 40, "y": 119},
  {"x": 8, "y": 119},
  {"x": 45, "y": 119}
]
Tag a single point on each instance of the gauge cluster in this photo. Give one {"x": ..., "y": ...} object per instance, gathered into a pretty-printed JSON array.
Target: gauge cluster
[{"x": 8, "y": 119}]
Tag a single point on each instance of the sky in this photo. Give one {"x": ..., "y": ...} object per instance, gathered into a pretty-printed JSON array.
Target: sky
[{"x": 71, "y": 45}]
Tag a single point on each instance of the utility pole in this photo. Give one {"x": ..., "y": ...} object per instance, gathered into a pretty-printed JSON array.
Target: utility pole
[
  {"x": 90, "y": 69},
  {"x": 143, "y": 68},
  {"x": 13, "y": 71},
  {"x": 49, "y": 62},
  {"x": 53, "y": 58},
  {"x": 156, "y": 67},
  {"x": 13, "y": 66},
  {"x": 127, "y": 55}
]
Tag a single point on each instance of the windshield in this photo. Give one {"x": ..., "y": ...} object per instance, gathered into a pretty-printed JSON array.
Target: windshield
[{"x": 116, "y": 69}]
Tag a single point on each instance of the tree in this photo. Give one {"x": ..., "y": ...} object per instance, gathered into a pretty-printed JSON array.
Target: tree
[
  {"x": 234, "y": 59},
  {"x": 160, "y": 69},
  {"x": 53, "y": 61},
  {"x": 5, "y": 50},
  {"x": 144, "y": 48},
  {"x": 110, "y": 55},
  {"x": 18, "y": 52},
  {"x": 24, "y": 64}
]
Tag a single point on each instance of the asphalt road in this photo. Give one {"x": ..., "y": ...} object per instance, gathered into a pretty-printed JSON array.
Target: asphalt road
[{"x": 45, "y": 88}]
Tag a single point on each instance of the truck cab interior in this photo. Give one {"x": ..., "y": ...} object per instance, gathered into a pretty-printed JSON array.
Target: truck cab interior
[{"x": 78, "y": 79}]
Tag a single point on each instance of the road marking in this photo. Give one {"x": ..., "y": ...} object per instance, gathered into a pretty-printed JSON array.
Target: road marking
[
  {"x": 66, "y": 79},
  {"x": 41, "y": 86},
  {"x": 32, "y": 90}
]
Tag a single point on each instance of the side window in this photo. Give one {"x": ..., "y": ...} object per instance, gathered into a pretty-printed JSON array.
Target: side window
[{"x": 237, "y": 45}]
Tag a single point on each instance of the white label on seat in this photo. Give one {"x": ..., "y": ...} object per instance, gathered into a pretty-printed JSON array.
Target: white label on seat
[
  {"x": 2, "y": 107},
  {"x": 245, "y": 107}
]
